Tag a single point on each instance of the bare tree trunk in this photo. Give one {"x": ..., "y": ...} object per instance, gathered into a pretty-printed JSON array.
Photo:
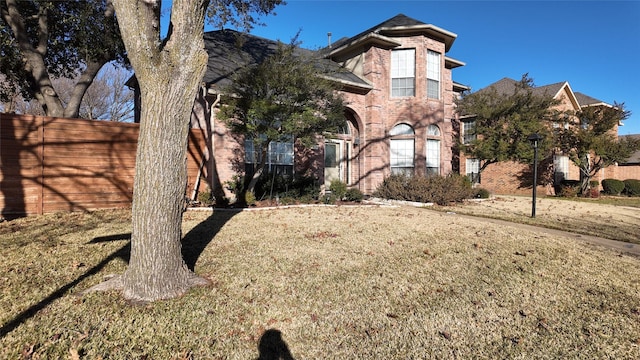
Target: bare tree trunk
[
  {"x": 259, "y": 170},
  {"x": 168, "y": 75},
  {"x": 157, "y": 270}
]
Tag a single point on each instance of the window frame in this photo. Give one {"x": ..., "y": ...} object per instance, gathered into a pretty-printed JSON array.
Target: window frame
[
  {"x": 434, "y": 74},
  {"x": 402, "y": 149},
  {"x": 473, "y": 164},
  {"x": 406, "y": 73},
  {"x": 468, "y": 132},
  {"x": 280, "y": 155},
  {"x": 433, "y": 151}
]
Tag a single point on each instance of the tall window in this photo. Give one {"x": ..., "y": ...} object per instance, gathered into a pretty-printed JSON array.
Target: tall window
[
  {"x": 561, "y": 168},
  {"x": 433, "y": 150},
  {"x": 473, "y": 170},
  {"x": 279, "y": 157},
  {"x": 402, "y": 149},
  {"x": 468, "y": 132},
  {"x": 433, "y": 75},
  {"x": 403, "y": 67}
]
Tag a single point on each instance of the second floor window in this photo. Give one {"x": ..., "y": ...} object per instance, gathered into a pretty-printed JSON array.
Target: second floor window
[
  {"x": 468, "y": 132},
  {"x": 403, "y": 68},
  {"x": 433, "y": 75}
]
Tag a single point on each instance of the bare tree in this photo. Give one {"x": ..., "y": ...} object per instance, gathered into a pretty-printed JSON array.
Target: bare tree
[
  {"x": 41, "y": 40},
  {"x": 108, "y": 98}
]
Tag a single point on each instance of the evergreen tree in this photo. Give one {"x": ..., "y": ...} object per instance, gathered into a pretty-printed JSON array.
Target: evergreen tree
[
  {"x": 503, "y": 119},
  {"x": 592, "y": 143},
  {"x": 284, "y": 97}
]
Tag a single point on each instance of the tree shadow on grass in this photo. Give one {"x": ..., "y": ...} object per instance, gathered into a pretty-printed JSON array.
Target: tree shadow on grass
[
  {"x": 193, "y": 244},
  {"x": 198, "y": 238},
  {"x": 123, "y": 253}
]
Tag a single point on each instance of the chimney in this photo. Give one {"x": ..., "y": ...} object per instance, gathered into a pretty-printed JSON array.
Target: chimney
[{"x": 329, "y": 39}]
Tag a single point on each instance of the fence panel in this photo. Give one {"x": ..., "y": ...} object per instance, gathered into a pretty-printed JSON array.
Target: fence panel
[{"x": 54, "y": 164}]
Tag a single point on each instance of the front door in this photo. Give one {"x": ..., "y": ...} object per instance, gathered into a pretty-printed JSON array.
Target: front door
[{"x": 332, "y": 161}]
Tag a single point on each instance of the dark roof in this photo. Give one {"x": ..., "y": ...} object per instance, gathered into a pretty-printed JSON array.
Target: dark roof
[
  {"x": 551, "y": 89},
  {"x": 635, "y": 157},
  {"x": 508, "y": 86},
  {"x": 398, "y": 20},
  {"x": 230, "y": 51},
  {"x": 397, "y": 25},
  {"x": 585, "y": 100}
]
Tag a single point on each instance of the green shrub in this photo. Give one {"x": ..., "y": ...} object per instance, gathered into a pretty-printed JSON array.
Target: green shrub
[
  {"x": 338, "y": 188},
  {"x": 437, "y": 189},
  {"x": 205, "y": 197},
  {"x": 393, "y": 187},
  {"x": 353, "y": 194},
  {"x": 612, "y": 186},
  {"x": 594, "y": 184},
  {"x": 300, "y": 188},
  {"x": 481, "y": 193},
  {"x": 632, "y": 187},
  {"x": 249, "y": 198},
  {"x": 236, "y": 184},
  {"x": 329, "y": 199},
  {"x": 568, "y": 188}
]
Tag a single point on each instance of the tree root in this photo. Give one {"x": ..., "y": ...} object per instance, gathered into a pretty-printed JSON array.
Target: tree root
[
  {"x": 116, "y": 282},
  {"x": 112, "y": 282}
]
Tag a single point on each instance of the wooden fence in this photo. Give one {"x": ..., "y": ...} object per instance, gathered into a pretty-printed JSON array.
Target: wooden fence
[{"x": 54, "y": 164}]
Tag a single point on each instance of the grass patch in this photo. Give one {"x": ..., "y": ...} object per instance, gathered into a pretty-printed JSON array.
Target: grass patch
[
  {"x": 615, "y": 218},
  {"x": 339, "y": 282}
]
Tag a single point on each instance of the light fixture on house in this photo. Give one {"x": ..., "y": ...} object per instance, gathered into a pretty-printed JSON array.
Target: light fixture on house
[{"x": 534, "y": 138}]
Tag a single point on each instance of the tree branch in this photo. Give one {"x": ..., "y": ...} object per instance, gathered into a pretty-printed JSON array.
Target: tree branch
[{"x": 43, "y": 31}]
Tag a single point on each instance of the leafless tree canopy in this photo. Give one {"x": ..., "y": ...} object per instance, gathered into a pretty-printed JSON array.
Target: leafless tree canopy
[{"x": 108, "y": 98}]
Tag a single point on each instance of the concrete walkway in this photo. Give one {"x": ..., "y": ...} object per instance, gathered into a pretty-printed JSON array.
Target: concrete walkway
[{"x": 623, "y": 247}]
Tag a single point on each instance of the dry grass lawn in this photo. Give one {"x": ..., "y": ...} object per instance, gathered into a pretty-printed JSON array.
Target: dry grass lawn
[
  {"x": 336, "y": 282},
  {"x": 610, "y": 218}
]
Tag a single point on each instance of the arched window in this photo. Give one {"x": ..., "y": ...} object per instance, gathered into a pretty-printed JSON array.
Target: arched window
[
  {"x": 402, "y": 149},
  {"x": 433, "y": 150},
  {"x": 344, "y": 129}
]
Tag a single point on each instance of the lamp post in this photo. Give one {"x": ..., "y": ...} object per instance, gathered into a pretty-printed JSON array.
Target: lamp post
[{"x": 534, "y": 139}]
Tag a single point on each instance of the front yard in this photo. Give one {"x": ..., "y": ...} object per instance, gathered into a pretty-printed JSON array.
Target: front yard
[{"x": 335, "y": 282}]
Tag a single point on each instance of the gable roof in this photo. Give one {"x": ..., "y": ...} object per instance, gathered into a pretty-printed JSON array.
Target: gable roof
[
  {"x": 585, "y": 100},
  {"x": 396, "y": 26},
  {"x": 507, "y": 86},
  {"x": 230, "y": 51}
]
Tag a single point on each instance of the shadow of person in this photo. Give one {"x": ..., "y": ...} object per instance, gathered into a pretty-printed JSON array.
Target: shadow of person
[{"x": 272, "y": 347}]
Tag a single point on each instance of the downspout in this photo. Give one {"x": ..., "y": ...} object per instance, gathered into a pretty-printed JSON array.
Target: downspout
[
  {"x": 212, "y": 138},
  {"x": 206, "y": 156}
]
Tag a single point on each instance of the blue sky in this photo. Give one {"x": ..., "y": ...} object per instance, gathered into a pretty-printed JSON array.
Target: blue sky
[{"x": 594, "y": 45}]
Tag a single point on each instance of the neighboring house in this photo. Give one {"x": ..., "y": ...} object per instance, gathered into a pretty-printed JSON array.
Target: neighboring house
[
  {"x": 397, "y": 82},
  {"x": 513, "y": 177},
  {"x": 630, "y": 169}
]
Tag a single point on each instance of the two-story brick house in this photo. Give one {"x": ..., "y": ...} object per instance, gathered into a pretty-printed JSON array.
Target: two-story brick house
[
  {"x": 508, "y": 177},
  {"x": 400, "y": 106}
]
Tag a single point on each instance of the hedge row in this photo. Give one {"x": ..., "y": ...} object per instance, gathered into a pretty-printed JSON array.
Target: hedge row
[
  {"x": 440, "y": 190},
  {"x": 630, "y": 187}
]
